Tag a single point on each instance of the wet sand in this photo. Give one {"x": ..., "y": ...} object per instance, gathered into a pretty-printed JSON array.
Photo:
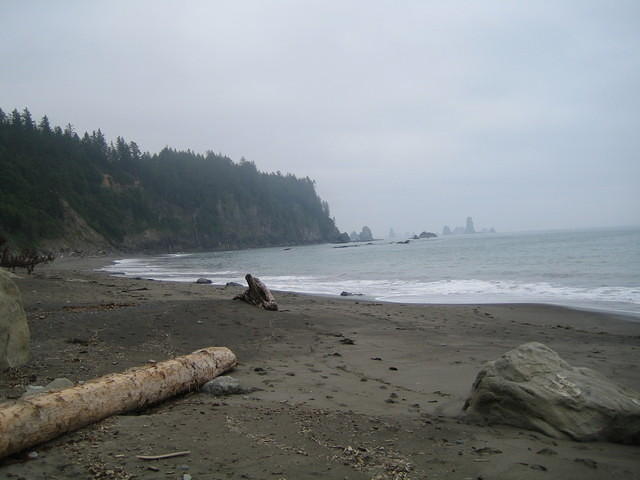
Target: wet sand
[{"x": 386, "y": 405}]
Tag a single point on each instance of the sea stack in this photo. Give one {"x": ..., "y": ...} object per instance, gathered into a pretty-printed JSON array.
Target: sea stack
[{"x": 469, "y": 228}]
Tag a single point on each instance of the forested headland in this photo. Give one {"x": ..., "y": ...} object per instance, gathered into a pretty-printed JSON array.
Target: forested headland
[{"x": 65, "y": 191}]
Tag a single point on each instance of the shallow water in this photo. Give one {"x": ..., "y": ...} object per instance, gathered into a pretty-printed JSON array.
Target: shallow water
[{"x": 597, "y": 268}]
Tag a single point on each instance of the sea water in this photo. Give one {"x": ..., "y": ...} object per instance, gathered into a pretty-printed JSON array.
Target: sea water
[{"x": 598, "y": 268}]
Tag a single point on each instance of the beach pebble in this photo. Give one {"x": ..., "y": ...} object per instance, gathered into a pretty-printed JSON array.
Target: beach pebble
[
  {"x": 56, "y": 384},
  {"x": 225, "y": 385},
  {"x": 587, "y": 462},
  {"x": 546, "y": 451}
]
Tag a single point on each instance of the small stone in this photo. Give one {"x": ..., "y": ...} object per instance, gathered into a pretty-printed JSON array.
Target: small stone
[
  {"x": 546, "y": 451},
  {"x": 587, "y": 462},
  {"x": 225, "y": 385},
  {"x": 56, "y": 384},
  {"x": 205, "y": 281},
  {"x": 32, "y": 455},
  {"x": 347, "y": 341}
]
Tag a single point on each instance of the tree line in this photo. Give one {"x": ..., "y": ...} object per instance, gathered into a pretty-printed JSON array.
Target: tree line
[{"x": 54, "y": 179}]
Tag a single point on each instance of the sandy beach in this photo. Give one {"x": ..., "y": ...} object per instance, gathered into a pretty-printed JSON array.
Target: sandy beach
[{"x": 346, "y": 388}]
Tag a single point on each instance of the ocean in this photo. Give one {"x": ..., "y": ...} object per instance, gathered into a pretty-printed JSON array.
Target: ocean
[{"x": 594, "y": 269}]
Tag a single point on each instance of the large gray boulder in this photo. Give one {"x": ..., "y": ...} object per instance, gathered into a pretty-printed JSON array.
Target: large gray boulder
[
  {"x": 533, "y": 388},
  {"x": 14, "y": 330}
]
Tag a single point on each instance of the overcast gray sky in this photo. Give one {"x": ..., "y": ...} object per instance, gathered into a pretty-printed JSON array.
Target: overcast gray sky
[{"x": 408, "y": 114}]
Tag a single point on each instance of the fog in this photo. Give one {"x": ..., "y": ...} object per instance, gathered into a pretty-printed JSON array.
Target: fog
[{"x": 411, "y": 115}]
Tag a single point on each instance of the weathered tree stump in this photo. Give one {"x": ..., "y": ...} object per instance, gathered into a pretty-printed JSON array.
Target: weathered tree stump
[{"x": 257, "y": 294}]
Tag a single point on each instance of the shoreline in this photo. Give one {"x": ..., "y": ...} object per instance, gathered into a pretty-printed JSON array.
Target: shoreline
[
  {"x": 630, "y": 315},
  {"x": 390, "y": 401}
]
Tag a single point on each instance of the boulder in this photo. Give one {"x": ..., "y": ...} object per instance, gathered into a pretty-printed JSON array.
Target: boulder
[
  {"x": 532, "y": 387},
  {"x": 205, "y": 281},
  {"x": 14, "y": 329}
]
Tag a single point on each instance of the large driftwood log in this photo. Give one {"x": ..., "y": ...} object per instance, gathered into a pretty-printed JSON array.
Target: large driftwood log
[
  {"x": 257, "y": 294},
  {"x": 42, "y": 417}
]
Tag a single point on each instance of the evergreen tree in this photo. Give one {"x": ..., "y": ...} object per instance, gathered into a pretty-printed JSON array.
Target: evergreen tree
[{"x": 44, "y": 125}]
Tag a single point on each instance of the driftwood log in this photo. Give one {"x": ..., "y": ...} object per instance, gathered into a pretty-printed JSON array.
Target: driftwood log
[
  {"x": 39, "y": 418},
  {"x": 257, "y": 294}
]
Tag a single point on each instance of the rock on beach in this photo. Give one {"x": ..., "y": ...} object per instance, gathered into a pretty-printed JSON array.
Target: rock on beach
[
  {"x": 14, "y": 329},
  {"x": 532, "y": 387}
]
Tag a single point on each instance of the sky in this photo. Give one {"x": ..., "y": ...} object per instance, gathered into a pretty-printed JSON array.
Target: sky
[{"x": 409, "y": 115}]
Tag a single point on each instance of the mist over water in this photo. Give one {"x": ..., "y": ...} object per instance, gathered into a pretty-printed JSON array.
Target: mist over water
[{"x": 587, "y": 268}]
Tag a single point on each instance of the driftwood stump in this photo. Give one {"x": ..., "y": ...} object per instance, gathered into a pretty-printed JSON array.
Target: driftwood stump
[{"x": 257, "y": 294}]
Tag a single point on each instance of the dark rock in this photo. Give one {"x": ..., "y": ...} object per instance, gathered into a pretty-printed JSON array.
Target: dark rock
[
  {"x": 342, "y": 238},
  {"x": 540, "y": 468},
  {"x": 234, "y": 284},
  {"x": 587, "y": 462},
  {"x": 350, "y": 294},
  {"x": 547, "y": 451},
  {"x": 204, "y": 280},
  {"x": 428, "y": 235},
  {"x": 224, "y": 385},
  {"x": 347, "y": 341},
  {"x": 488, "y": 451}
]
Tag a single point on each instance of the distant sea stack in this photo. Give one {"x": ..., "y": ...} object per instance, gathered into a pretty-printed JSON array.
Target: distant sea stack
[
  {"x": 467, "y": 229},
  {"x": 364, "y": 236}
]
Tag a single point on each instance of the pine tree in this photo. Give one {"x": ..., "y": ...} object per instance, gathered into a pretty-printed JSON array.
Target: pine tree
[{"x": 44, "y": 125}]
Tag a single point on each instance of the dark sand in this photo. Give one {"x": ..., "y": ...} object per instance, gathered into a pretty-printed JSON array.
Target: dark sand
[{"x": 388, "y": 406}]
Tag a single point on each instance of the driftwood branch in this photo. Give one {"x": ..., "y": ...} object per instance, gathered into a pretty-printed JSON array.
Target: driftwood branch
[
  {"x": 42, "y": 417},
  {"x": 163, "y": 456},
  {"x": 257, "y": 294}
]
